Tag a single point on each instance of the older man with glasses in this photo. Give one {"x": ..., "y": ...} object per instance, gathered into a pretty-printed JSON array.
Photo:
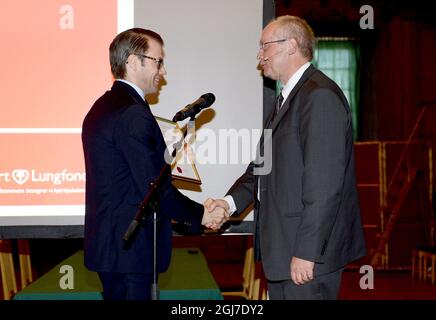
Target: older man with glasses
[{"x": 307, "y": 219}]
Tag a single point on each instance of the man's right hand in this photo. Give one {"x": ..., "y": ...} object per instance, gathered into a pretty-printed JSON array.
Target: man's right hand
[
  {"x": 215, "y": 213},
  {"x": 211, "y": 204}
]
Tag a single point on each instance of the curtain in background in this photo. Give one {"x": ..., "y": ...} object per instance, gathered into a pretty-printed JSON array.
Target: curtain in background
[{"x": 339, "y": 59}]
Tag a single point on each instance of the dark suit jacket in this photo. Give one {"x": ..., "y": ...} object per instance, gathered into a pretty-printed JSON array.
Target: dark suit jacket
[
  {"x": 124, "y": 151},
  {"x": 308, "y": 202}
]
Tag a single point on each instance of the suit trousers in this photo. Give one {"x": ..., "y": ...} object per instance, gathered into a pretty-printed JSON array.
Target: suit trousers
[
  {"x": 322, "y": 287},
  {"x": 126, "y": 286}
]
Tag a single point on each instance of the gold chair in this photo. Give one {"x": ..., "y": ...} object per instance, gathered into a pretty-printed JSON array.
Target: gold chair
[
  {"x": 264, "y": 294},
  {"x": 255, "y": 290},
  {"x": 247, "y": 277},
  {"x": 25, "y": 265},
  {"x": 7, "y": 270},
  {"x": 428, "y": 258}
]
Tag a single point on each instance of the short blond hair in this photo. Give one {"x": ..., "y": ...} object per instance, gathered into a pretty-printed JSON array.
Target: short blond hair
[{"x": 298, "y": 29}]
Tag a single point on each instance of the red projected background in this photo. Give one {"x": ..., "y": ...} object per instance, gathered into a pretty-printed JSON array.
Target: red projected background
[{"x": 55, "y": 64}]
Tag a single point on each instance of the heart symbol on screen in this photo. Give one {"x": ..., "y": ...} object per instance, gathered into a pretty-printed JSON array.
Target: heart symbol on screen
[{"x": 20, "y": 176}]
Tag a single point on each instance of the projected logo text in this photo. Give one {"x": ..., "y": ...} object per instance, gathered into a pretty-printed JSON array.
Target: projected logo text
[{"x": 21, "y": 176}]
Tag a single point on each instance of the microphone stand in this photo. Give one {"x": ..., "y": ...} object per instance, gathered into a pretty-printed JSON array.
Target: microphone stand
[{"x": 150, "y": 202}]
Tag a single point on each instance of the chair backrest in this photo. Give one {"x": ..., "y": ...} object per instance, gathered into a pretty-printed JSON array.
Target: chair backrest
[
  {"x": 248, "y": 271},
  {"x": 25, "y": 264},
  {"x": 264, "y": 294},
  {"x": 247, "y": 277},
  {"x": 255, "y": 290},
  {"x": 7, "y": 269}
]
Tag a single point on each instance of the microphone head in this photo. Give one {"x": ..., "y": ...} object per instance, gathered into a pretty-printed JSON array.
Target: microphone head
[
  {"x": 209, "y": 98},
  {"x": 205, "y": 101}
]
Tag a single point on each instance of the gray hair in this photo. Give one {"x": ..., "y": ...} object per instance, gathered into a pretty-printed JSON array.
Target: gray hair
[{"x": 298, "y": 29}]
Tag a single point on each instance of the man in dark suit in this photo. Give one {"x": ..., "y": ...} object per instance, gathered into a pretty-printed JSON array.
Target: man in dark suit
[
  {"x": 124, "y": 151},
  {"x": 307, "y": 219}
]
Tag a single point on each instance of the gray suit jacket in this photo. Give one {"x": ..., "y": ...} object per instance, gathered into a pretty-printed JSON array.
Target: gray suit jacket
[{"x": 308, "y": 202}]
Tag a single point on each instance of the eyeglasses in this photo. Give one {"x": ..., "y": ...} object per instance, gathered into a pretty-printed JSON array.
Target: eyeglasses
[
  {"x": 159, "y": 62},
  {"x": 262, "y": 45}
]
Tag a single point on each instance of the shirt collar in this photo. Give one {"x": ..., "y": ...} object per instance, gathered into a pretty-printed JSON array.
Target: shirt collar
[
  {"x": 134, "y": 86},
  {"x": 294, "y": 80}
]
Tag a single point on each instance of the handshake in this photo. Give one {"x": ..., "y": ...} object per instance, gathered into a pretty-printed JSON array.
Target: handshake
[{"x": 216, "y": 213}]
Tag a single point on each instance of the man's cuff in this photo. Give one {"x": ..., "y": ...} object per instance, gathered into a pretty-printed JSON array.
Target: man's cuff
[{"x": 231, "y": 203}]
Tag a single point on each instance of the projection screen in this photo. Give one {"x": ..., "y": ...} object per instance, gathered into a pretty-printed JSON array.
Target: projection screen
[{"x": 56, "y": 64}]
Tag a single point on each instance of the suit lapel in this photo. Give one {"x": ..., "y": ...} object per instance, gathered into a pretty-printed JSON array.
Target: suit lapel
[
  {"x": 287, "y": 104},
  {"x": 267, "y": 122}
]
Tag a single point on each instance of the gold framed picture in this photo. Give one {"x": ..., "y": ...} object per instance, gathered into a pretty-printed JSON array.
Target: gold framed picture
[{"x": 183, "y": 165}]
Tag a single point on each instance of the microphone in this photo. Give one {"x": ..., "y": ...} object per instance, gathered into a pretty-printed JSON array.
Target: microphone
[
  {"x": 192, "y": 109},
  {"x": 267, "y": 58}
]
